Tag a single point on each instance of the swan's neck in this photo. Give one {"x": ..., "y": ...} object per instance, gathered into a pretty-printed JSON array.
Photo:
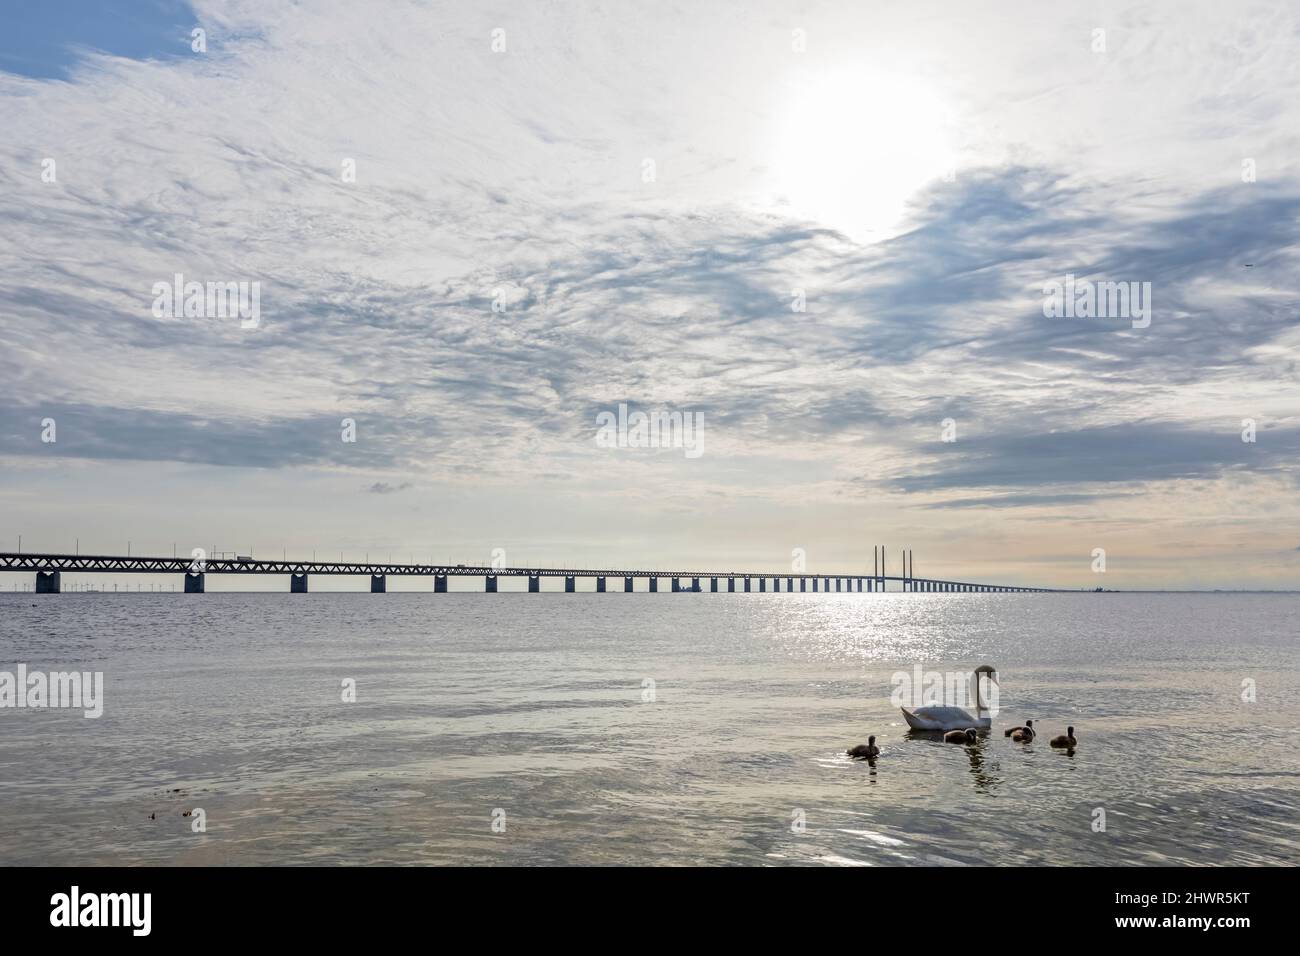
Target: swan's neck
[{"x": 979, "y": 704}]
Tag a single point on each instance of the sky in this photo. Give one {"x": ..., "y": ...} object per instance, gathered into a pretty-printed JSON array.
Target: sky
[{"x": 822, "y": 231}]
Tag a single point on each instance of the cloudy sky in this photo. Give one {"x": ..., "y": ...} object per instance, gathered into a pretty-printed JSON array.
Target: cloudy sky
[{"x": 826, "y": 228}]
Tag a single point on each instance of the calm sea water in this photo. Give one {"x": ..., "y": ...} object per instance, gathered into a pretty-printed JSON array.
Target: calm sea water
[{"x": 469, "y": 704}]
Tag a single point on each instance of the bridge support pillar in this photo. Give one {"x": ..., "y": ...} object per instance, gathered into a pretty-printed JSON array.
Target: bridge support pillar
[
  {"x": 839, "y": 582},
  {"x": 695, "y": 584},
  {"x": 193, "y": 583},
  {"x": 654, "y": 585},
  {"x": 490, "y": 584},
  {"x": 600, "y": 585},
  {"x": 746, "y": 585},
  {"x": 803, "y": 585},
  {"x": 47, "y": 582},
  {"x": 677, "y": 585},
  {"x": 627, "y": 585},
  {"x": 534, "y": 583},
  {"x": 440, "y": 584},
  {"x": 297, "y": 584},
  {"x": 731, "y": 584},
  {"x": 776, "y": 585},
  {"x": 814, "y": 581},
  {"x": 570, "y": 584},
  {"x": 713, "y": 585},
  {"x": 378, "y": 583},
  {"x": 789, "y": 584}
]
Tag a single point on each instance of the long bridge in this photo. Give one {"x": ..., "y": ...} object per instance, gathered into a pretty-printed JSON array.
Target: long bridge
[{"x": 50, "y": 567}]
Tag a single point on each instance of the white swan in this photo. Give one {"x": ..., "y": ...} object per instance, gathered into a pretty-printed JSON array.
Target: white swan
[{"x": 954, "y": 718}]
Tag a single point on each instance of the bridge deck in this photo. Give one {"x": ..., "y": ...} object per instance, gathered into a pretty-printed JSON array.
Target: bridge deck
[{"x": 118, "y": 564}]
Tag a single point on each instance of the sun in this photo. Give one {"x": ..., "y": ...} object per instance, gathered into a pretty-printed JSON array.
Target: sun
[{"x": 851, "y": 147}]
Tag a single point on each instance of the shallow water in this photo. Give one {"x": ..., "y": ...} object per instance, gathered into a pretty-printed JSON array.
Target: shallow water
[{"x": 533, "y": 705}]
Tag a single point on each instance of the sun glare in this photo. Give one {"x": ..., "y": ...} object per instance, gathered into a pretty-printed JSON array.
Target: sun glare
[{"x": 851, "y": 148}]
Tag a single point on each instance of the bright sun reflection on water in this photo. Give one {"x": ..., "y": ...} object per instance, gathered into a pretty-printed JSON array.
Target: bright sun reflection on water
[{"x": 852, "y": 147}]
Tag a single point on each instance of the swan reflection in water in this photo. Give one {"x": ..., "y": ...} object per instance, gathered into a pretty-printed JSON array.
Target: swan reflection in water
[{"x": 985, "y": 780}]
